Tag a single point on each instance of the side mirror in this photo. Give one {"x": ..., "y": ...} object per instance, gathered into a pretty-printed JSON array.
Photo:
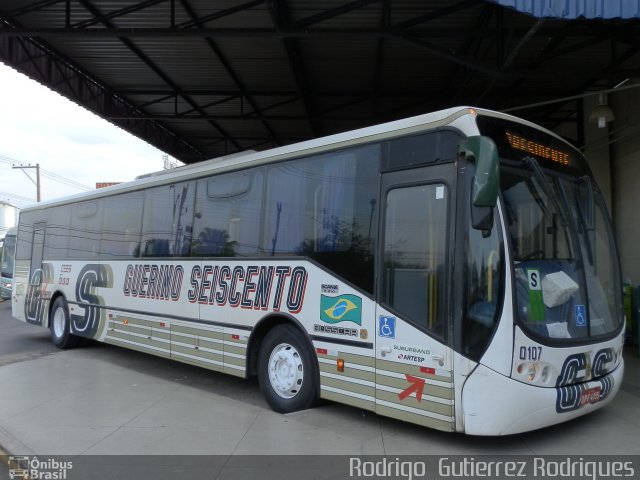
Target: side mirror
[
  {"x": 482, "y": 219},
  {"x": 486, "y": 182}
]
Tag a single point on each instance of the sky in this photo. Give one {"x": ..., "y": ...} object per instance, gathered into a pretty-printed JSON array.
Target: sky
[{"x": 37, "y": 125}]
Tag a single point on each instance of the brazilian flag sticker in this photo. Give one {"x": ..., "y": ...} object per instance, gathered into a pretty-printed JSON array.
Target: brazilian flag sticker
[{"x": 345, "y": 308}]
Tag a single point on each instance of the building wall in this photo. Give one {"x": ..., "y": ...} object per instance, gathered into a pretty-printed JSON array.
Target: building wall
[
  {"x": 8, "y": 218},
  {"x": 625, "y": 154}
]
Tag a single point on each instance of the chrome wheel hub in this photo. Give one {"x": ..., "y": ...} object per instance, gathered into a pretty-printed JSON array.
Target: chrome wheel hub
[
  {"x": 286, "y": 372},
  {"x": 58, "y": 322}
]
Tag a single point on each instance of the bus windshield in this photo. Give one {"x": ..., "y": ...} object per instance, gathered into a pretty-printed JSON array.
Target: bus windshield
[
  {"x": 8, "y": 256},
  {"x": 566, "y": 273}
]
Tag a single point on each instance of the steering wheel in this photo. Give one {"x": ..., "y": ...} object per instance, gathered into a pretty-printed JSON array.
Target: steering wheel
[{"x": 539, "y": 254}]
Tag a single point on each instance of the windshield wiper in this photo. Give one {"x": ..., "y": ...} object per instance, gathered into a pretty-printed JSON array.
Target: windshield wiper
[
  {"x": 585, "y": 225},
  {"x": 587, "y": 217},
  {"x": 546, "y": 186}
]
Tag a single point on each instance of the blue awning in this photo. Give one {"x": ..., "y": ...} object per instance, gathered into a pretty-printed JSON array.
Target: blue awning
[{"x": 572, "y": 9}]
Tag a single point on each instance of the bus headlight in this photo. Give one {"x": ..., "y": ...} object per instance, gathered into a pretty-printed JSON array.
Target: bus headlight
[
  {"x": 531, "y": 372},
  {"x": 544, "y": 375},
  {"x": 534, "y": 372},
  {"x": 528, "y": 371},
  {"x": 618, "y": 356}
]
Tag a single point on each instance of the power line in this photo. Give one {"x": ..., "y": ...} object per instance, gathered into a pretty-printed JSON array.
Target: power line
[
  {"x": 19, "y": 197},
  {"x": 50, "y": 175},
  {"x": 16, "y": 200},
  {"x": 36, "y": 182},
  {"x": 46, "y": 173},
  {"x": 66, "y": 181}
]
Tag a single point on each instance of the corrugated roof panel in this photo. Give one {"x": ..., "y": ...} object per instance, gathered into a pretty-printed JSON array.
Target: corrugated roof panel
[
  {"x": 571, "y": 9},
  {"x": 312, "y": 67}
]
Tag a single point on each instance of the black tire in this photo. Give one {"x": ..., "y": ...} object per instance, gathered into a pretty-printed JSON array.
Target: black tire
[
  {"x": 288, "y": 371},
  {"x": 60, "y": 325}
]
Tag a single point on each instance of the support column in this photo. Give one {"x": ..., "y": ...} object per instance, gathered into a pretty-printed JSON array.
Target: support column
[{"x": 598, "y": 150}]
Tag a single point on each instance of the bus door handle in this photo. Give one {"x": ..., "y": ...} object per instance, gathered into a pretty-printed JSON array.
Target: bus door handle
[
  {"x": 438, "y": 358},
  {"x": 385, "y": 350}
]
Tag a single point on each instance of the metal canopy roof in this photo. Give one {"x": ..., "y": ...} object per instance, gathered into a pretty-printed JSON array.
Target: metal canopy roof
[
  {"x": 200, "y": 79},
  {"x": 564, "y": 9}
]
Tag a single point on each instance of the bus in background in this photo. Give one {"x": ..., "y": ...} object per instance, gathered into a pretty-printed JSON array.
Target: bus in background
[
  {"x": 456, "y": 270},
  {"x": 7, "y": 256}
]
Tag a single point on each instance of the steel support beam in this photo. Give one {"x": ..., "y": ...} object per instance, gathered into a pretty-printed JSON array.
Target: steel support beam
[
  {"x": 230, "y": 71},
  {"x": 156, "y": 69},
  {"x": 280, "y": 18},
  {"x": 43, "y": 64}
]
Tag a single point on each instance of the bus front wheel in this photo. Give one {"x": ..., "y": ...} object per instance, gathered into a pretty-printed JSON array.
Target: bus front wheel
[
  {"x": 60, "y": 325},
  {"x": 287, "y": 373}
]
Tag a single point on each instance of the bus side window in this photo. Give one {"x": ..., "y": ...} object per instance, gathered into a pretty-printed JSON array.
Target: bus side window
[
  {"x": 167, "y": 224},
  {"x": 121, "y": 228},
  {"x": 84, "y": 236},
  {"x": 25, "y": 236},
  {"x": 324, "y": 207},
  {"x": 57, "y": 244},
  {"x": 228, "y": 214}
]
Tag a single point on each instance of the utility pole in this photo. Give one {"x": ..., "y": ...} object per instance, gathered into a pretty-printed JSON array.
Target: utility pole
[{"x": 37, "y": 180}]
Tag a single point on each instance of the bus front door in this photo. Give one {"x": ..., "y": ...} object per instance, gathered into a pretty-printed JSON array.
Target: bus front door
[
  {"x": 414, "y": 377},
  {"x": 36, "y": 291}
]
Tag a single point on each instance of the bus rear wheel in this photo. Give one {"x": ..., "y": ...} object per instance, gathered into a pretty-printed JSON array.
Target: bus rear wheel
[
  {"x": 60, "y": 325},
  {"x": 287, "y": 373}
]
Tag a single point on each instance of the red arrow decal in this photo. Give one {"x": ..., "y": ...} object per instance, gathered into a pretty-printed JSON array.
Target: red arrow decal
[{"x": 417, "y": 385}]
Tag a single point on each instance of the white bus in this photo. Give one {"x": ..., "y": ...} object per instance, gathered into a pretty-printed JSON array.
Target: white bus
[
  {"x": 456, "y": 270},
  {"x": 7, "y": 255}
]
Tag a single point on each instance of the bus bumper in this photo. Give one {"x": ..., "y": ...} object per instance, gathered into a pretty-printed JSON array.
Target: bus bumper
[{"x": 497, "y": 405}]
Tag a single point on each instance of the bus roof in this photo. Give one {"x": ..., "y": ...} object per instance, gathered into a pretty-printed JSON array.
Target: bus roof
[{"x": 252, "y": 158}]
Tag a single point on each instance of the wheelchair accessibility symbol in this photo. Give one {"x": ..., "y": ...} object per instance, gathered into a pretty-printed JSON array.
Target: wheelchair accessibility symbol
[
  {"x": 581, "y": 316},
  {"x": 387, "y": 327}
]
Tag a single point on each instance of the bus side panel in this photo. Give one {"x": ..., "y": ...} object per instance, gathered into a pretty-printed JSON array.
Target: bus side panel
[
  {"x": 38, "y": 289},
  {"x": 414, "y": 374},
  {"x": 148, "y": 335},
  {"x": 235, "y": 352},
  {"x": 353, "y": 385},
  {"x": 142, "y": 302},
  {"x": 78, "y": 282},
  {"x": 202, "y": 313},
  {"x": 340, "y": 321}
]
